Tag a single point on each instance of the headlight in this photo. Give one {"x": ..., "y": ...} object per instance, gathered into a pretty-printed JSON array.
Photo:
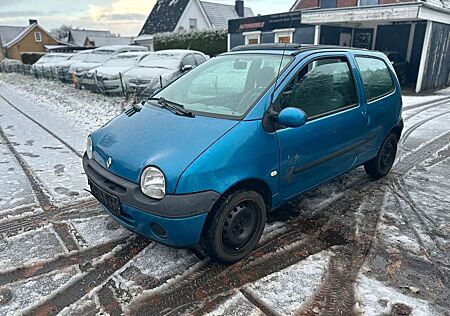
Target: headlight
[
  {"x": 153, "y": 183},
  {"x": 89, "y": 147}
]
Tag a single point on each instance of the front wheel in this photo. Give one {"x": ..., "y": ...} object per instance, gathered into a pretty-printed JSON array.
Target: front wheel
[
  {"x": 380, "y": 166},
  {"x": 235, "y": 226}
]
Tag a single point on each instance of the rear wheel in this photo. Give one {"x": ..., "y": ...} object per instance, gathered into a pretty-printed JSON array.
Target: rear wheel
[
  {"x": 235, "y": 226},
  {"x": 380, "y": 166}
]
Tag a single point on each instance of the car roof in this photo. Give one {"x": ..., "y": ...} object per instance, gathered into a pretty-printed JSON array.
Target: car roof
[
  {"x": 293, "y": 49},
  {"x": 179, "y": 51},
  {"x": 132, "y": 54}
]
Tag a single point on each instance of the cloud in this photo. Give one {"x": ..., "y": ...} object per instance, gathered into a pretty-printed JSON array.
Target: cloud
[
  {"x": 124, "y": 17},
  {"x": 31, "y": 13}
]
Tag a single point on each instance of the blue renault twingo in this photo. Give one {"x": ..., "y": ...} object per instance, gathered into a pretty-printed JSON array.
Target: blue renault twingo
[{"x": 205, "y": 159}]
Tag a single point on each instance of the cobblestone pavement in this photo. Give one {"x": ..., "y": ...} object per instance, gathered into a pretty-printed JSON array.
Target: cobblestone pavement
[{"x": 352, "y": 246}]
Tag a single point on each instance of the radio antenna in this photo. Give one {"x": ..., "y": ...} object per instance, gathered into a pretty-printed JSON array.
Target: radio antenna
[{"x": 281, "y": 62}]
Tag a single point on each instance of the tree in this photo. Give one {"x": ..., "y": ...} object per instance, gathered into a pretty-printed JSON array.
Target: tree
[{"x": 62, "y": 32}]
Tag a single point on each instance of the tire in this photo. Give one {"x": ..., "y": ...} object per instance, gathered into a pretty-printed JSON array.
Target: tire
[
  {"x": 380, "y": 166},
  {"x": 234, "y": 226}
]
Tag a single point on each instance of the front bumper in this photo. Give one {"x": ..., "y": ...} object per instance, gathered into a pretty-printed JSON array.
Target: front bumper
[{"x": 181, "y": 217}]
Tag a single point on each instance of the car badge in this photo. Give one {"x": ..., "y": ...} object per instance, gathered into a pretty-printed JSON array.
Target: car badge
[{"x": 108, "y": 162}]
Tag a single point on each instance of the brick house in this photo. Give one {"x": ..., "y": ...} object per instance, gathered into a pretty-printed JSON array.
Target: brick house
[{"x": 16, "y": 40}]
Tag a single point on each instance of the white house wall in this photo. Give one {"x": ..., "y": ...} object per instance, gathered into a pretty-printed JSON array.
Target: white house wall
[{"x": 193, "y": 11}]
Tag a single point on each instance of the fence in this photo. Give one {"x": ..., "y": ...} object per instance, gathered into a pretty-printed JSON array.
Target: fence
[{"x": 137, "y": 92}]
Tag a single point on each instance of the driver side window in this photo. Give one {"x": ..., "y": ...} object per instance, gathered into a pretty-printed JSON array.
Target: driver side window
[{"x": 322, "y": 86}]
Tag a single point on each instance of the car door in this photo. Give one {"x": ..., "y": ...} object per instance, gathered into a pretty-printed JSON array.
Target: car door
[{"x": 334, "y": 134}]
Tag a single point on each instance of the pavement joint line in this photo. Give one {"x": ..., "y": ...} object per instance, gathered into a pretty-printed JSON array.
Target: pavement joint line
[
  {"x": 75, "y": 151},
  {"x": 36, "y": 186}
]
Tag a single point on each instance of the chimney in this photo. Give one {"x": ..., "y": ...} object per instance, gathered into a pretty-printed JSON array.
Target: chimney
[
  {"x": 239, "y": 7},
  {"x": 31, "y": 21}
]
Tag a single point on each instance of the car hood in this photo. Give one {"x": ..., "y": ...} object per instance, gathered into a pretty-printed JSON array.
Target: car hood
[
  {"x": 82, "y": 66},
  {"x": 149, "y": 73},
  {"x": 111, "y": 71},
  {"x": 155, "y": 137}
]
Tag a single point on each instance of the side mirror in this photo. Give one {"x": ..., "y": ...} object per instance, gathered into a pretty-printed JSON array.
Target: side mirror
[
  {"x": 292, "y": 117},
  {"x": 186, "y": 67}
]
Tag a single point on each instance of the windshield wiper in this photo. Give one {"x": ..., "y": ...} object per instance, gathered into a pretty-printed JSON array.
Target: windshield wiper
[{"x": 172, "y": 106}]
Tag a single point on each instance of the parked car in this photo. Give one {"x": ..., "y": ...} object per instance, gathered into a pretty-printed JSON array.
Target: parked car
[
  {"x": 61, "y": 69},
  {"x": 206, "y": 158},
  {"x": 400, "y": 64},
  {"x": 157, "y": 70},
  {"x": 43, "y": 68},
  {"x": 108, "y": 76},
  {"x": 99, "y": 56}
]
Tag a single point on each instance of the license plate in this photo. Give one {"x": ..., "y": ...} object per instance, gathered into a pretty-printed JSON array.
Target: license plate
[{"x": 108, "y": 200}]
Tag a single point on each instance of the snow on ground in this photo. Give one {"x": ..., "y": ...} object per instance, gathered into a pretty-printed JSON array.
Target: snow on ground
[
  {"x": 59, "y": 169},
  {"x": 378, "y": 299},
  {"x": 161, "y": 262},
  {"x": 29, "y": 247},
  {"x": 237, "y": 305},
  {"x": 413, "y": 99},
  {"x": 15, "y": 190},
  {"x": 285, "y": 291},
  {"x": 97, "y": 230},
  {"x": 28, "y": 292},
  {"x": 85, "y": 109}
]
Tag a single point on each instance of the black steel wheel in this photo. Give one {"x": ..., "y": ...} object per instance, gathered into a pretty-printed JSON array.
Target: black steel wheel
[
  {"x": 380, "y": 166},
  {"x": 234, "y": 226}
]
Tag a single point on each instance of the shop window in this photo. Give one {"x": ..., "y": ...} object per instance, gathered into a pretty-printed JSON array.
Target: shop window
[
  {"x": 284, "y": 36},
  {"x": 252, "y": 38}
]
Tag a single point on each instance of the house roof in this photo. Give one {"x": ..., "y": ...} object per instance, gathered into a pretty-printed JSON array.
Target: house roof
[
  {"x": 164, "y": 16},
  {"x": 109, "y": 40},
  {"x": 8, "y": 33},
  {"x": 78, "y": 37},
  {"x": 219, "y": 14},
  {"x": 25, "y": 30}
]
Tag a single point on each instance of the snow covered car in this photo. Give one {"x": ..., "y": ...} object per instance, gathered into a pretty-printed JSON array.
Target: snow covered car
[
  {"x": 43, "y": 68},
  {"x": 96, "y": 58},
  {"x": 61, "y": 69},
  {"x": 157, "y": 70},
  {"x": 208, "y": 156},
  {"x": 108, "y": 76}
]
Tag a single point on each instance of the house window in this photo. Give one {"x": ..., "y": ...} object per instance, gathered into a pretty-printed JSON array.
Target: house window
[
  {"x": 193, "y": 24},
  {"x": 363, "y": 3},
  {"x": 37, "y": 36},
  {"x": 284, "y": 36},
  {"x": 325, "y": 4},
  {"x": 252, "y": 37}
]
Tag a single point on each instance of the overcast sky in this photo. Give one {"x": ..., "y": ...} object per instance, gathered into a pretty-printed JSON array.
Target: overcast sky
[{"x": 121, "y": 16}]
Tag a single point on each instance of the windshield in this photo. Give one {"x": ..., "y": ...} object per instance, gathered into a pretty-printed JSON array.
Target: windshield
[
  {"x": 226, "y": 85},
  {"x": 99, "y": 56},
  {"x": 162, "y": 60},
  {"x": 122, "y": 61},
  {"x": 80, "y": 56},
  {"x": 52, "y": 58}
]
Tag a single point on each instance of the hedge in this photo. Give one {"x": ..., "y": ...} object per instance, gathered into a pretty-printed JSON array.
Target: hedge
[
  {"x": 31, "y": 58},
  {"x": 211, "y": 42}
]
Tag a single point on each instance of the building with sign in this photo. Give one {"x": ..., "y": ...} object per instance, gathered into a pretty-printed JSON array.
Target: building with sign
[{"x": 416, "y": 33}]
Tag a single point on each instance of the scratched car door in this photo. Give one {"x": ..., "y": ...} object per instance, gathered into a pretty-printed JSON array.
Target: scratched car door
[{"x": 328, "y": 144}]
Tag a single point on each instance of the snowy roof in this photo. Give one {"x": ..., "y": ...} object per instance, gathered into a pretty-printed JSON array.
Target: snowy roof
[
  {"x": 8, "y": 33},
  {"x": 78, "y": 37},
  {"x": 164, "y": 16},
  {"x": 219, "y": 14},
  {"x": 108, "y": 40}
]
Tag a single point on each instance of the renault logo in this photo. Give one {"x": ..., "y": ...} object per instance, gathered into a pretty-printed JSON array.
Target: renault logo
[{"x": 108, "y": 162}]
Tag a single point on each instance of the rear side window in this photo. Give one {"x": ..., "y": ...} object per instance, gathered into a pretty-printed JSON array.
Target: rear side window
[
  {"x": 199, "y": 59},
  {"x": 322, "y": 86},
  {"x": 375, "y": 76}
]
